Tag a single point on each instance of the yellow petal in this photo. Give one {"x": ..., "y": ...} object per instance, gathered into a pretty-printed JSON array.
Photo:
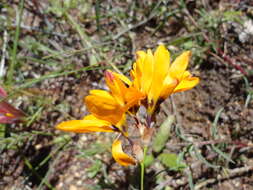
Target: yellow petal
[
  {"x": 103, "y": 106},
  {"x": 121, "y": 157},
  {"x": 147, "y": 74},
  {"x": 102, "y": 94},
  {"x": 117, "y": 127},
  {"x": 90, "y": 124},
  {"x": 91, "y": 117},
  {"x": 137, "y": 71},
  {"x": 9, "y": 115},
  {"x": 136, "y": 79},
  {"x": 161, "y": 67},
  {"x": 186, "y": 74},
  {"x": 169, "y": 84},
  {"x": 123, "y": 78},
  {"x": 186, "y": 84},
  {"x": 179, "y": 66},
  {"x": 141, "y": 56}
]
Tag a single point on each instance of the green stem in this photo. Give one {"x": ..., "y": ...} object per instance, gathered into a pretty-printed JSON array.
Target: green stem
[
  {"x": 15, "y": 45},
  {"x": 143, "y": 167}
]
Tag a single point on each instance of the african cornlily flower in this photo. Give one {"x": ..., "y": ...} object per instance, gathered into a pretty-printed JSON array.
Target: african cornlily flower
[
  {"x": 157, "y": 78},
  {"x": 154, "y": 78},
  {"x": 8, "y": 114},
  {"x": 108, "y": 112}
]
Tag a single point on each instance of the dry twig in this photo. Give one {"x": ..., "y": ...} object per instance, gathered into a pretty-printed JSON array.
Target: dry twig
[{"x": 229, "y": 174}]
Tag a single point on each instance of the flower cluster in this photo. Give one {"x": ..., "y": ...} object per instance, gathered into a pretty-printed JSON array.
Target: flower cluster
[{"x": 153, "y": 79}]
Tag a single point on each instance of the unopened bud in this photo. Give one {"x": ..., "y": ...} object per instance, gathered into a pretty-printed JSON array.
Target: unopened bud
[
  {"x": 109, "y": 76},
  {"x": 147, "y": 135},
  {"x": 138, "y": 152}
]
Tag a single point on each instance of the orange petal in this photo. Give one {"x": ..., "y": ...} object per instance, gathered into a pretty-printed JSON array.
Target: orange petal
[
  {"x": 121, "y": 157},
  {"x": 125, "y": 96},
  {"x": 132, "y": 97},
  {"x": 87, "y": 125},
  {"x": 117, "y": 127},
  {"x": 102, "y": 105},
  {"x": 186, "y": 84},
  {"x": 116, "y": 86}
]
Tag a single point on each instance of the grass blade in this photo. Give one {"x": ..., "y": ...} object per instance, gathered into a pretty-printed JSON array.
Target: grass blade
[{"x": 15, "y": 46}]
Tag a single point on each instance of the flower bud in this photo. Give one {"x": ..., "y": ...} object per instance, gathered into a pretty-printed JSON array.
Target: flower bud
[
  {"x": 138, "y": 152},
  {"x": 147, "y": 135}
]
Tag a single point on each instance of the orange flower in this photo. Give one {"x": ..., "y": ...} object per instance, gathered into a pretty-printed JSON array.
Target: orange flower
[
  {"x": 108, "y": 113},
  {"x": 113, "y": 105},
  {"x": 154, "y": 79},
  {"x": 154, "y": 76}
]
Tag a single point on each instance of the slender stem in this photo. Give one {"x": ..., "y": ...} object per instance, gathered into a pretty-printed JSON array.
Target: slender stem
[
  {"x": 143, "y": 167},
  {"x": 142, "y": 175},
  {"x": 15, "y": 45}
]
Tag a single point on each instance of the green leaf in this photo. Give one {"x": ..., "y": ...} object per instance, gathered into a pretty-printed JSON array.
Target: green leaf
[
  {"x": 201, "y": 158},
  {"x": 62, "y": 139},
  {"x": 56, "y": 8},
  {"x": 190, "y": 180},
  {"x": 222, "y": 154},
  {"x": 234, "y": 16},
  {"x": 96, "y": 148},
  {"x": 163, "y": 134},
  {"x": 94, "y": 169},
  {"x": 149, "y": 159},
  {"x": 171, "y": 161},
  {"x": 214, "y": 130}
]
